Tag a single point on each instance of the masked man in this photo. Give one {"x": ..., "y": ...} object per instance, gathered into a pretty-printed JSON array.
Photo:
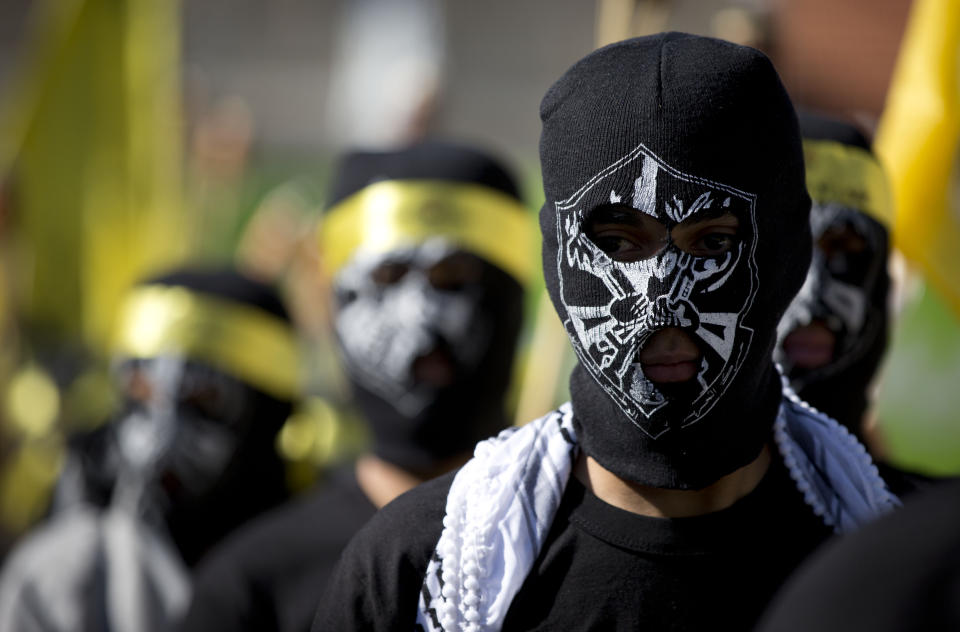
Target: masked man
[
  {"x": 207, "y": 367},
  {"x": 834, "y": 333},
  {"x": 428, "y": 248},
  {"x": 683, "y": 482}
]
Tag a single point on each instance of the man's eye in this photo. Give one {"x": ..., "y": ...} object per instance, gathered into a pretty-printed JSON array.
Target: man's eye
[
  {"x": 624, "y": 233},
  {"x": 707, "y": 236},
  {"x": 388, "y": 273},
  {"x": 620, "y": 247},
  {"x": 841, "y": 240},
  {"x": 713, "y": 244},
  {"x": 455, "y": 272},
  {"x": 613, "y": 245}
]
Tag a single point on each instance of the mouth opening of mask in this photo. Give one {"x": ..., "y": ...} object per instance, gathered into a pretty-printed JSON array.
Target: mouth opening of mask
[
  {"x": 436, "y": 368},
  {"x": 810, "y": 346},
  {"x": 669, "y": 356}
]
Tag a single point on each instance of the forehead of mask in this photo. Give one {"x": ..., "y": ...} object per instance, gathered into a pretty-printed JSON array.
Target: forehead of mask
[
  {"x": 409, "y": 320},
  {"x": 183, "y": 422},
  {"x": 649, "y": 248},
  {"x": 839, "y": 300}
]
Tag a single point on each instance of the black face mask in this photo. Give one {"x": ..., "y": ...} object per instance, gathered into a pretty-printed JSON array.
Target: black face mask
[
  {"x": 427, "y": 335},
  {"x": 834, "y": 334},
  {"x": 635, "y": 128},
  {"x": 196, "y": 449},
  {"x": 180, "y": 438},
  {"x": 703, "y": 287}
]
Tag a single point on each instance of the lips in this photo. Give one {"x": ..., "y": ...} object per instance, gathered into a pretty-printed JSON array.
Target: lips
[
  {"x": 670, "y": 368},
  {"x": 668, "y": 373},
  {"x": 435, "y": 368},
  {"x": 810, "y": 346},
  {"x": 670, "y": 356}
]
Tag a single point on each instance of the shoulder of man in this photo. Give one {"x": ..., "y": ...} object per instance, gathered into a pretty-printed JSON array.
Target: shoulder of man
[
  {"x": 380, "y": 573},
  {"x": 267, "y": 566}
]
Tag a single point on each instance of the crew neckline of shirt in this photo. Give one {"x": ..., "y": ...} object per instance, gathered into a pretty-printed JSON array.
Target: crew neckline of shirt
[{"x": 722, "y": 530}]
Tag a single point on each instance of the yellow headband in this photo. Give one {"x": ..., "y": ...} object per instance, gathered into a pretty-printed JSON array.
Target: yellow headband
[
  {"x": 386, "y": 215},
  {"x": 847, "y": 175},
  {"x": 243, "y": 341}
]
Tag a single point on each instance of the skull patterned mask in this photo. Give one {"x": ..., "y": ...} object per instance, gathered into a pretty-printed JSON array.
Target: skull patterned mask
[
  {"x": 427, "y": 333},
  {"x": 680, "y": 274},
  {"x": 408, "y": 321},
  {"x": 428, "y": 247}
]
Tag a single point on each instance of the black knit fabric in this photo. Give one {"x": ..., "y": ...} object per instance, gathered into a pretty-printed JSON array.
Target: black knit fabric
[
  {"x": 817, "y": 126},
  {"x": 224, "y": 283},
  {"x": 431, "y": 160},
  {"x": 715, "y": 121}
]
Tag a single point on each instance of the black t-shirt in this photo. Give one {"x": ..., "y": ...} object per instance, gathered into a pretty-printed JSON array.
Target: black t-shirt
[
  {"x": 601, "y": 568},
  {"x": 267, "y": 576}
]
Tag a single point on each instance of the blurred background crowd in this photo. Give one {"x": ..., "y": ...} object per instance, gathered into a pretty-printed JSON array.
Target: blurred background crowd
[{"x": 138, "y": 135}]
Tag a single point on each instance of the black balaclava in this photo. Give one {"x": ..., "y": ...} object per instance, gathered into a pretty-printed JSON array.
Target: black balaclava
[
  {"x": 674, "y": 125},
  {"x": 196, "y": 441},
  {"x": 847, "y": 287},
  {"x": 439, "y": 289}
]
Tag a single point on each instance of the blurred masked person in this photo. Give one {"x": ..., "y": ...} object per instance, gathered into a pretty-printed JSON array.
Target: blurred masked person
[
  {"x": 684, "y": 481},
  {"x": 833, "y": 335},
  {"x": 429, "y": 248},
  {"x": 207, "y": 365}
]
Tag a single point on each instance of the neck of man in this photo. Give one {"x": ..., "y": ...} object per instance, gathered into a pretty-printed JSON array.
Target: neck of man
[
  {"x": 671, "y": 503},
  {"x": 382, "y": 481}
]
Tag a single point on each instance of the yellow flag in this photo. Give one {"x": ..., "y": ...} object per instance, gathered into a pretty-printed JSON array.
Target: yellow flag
[
  {"x": 919, "y": 139},
  {"x": 91, "y": 137}
]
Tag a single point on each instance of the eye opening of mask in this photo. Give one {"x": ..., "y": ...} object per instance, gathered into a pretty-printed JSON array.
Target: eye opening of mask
[
  {"x": 841, "y": 238},
  {"x": 451, "y": 273},
  {"x": 134, "y": 382},
  {"x": 199, "y": 389},
  {"x": 212, "y": 400},
  {"x": 455, "y": 272},
  {"x": 624, "y": 233},
  {"x": 389, "y": 272},
  {"x": 710, "y": 233},
  {"x": 628, "y": 235}
]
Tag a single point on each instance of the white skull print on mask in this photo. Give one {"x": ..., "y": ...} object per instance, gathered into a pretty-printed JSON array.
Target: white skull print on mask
[
  {"x": 383, "y": 328},
  {"x": 706, "y": 296}
]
